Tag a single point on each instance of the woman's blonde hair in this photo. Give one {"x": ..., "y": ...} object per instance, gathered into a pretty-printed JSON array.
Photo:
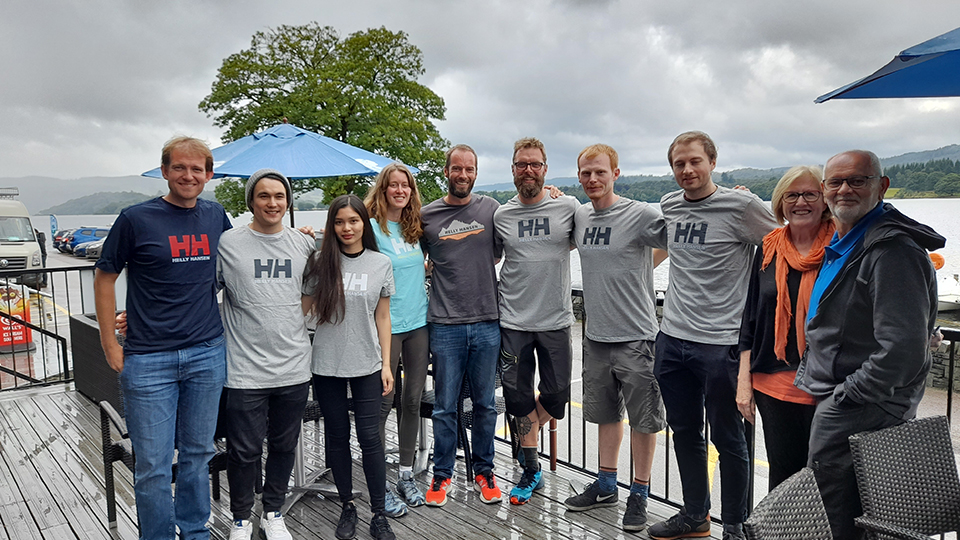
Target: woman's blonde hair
[
  {"x": 787, "y": 180},
  {"x": 376, "y": 202}
]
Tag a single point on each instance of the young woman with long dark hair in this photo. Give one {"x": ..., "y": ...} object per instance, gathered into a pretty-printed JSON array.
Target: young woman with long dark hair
[{"x": 347, "y": 289}]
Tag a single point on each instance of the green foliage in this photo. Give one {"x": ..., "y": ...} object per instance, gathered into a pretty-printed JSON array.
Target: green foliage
[
  {"x": 361, "y": 90},
  {"x": 936, "y": 178},
  {"x": 948, "y": 186},
  {"x": 230, "y": 193}
]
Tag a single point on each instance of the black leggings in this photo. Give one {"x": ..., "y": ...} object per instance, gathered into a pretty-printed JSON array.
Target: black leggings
[
  {"x": 366, "y": 392},
  {"x": 415, "y": 347}
]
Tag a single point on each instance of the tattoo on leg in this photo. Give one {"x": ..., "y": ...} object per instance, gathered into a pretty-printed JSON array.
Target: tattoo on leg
[{"x": 524, "y": 425}]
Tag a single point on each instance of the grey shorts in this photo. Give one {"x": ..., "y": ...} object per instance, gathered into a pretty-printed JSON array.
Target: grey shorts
[{"x": 618, "y": 377}]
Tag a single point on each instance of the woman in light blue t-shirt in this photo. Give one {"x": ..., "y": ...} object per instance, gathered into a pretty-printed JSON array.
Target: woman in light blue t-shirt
[{"x": 394, "y": 206}]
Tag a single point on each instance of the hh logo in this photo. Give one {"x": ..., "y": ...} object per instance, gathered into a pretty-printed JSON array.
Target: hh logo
[
  {"x": 399, "y": 246},
  {"x": 689, "y": 233},
  {"x": 596, "y": 236},
  {"x": 272, "y": 268},
  {"x": 354, "y": 282},
  {"x": 189, "y": 246},
  {"x": 533, "y": 227}
]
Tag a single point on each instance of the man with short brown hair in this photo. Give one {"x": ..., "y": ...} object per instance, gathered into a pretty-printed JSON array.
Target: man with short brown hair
[
  {"x": 172, "y": 363},
  {"x": 712, "y": 232}
]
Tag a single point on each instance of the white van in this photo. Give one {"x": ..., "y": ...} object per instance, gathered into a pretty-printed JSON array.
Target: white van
[{"x": 19, "y": 249}]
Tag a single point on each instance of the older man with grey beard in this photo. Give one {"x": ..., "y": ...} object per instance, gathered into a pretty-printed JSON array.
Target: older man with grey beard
[{"x": 871, "y": 314}]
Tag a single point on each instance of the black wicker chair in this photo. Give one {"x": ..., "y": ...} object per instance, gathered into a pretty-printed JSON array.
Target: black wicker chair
[
  {"x": 908, "y": 482},
  {"x": 122, "y": 450},
  {"x": 792, "y": 511}
]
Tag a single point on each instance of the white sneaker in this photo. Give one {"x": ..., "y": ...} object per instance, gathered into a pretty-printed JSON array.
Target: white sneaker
[
  {"x": 272, "y": 525},
  {"x": 242, "y": 530}
]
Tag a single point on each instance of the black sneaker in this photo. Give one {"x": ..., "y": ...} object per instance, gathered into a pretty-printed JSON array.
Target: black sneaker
[
  {"x": 635, "y": 517},
  {"x": 733, "y": 531},
  {"x": 592, "y": 497},
  {"x": 680, "y": 526},
  {"x": 380, "y": 528},
  {"x": 347, "y": 526}
]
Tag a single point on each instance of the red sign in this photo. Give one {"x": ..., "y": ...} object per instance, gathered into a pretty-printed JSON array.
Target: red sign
[{"x": 11, "y": 332}]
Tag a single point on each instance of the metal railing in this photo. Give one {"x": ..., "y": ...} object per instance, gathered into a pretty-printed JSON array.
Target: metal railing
[
  {"x": 34, "y": 323},
  {"x": 576, "y": 445},
  {"x": 69, "y": 291}
]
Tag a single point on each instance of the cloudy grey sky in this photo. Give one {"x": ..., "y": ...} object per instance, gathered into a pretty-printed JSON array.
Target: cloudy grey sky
[{"x": 94, "y": 87}]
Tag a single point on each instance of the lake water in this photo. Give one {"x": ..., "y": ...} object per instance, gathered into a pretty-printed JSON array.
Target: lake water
[{"x": 941, "y": 214}]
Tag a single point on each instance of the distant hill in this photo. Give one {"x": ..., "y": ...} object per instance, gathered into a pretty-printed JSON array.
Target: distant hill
[
  {"x": 42, "y": 194},
  {"x": 98, "y": 203}
]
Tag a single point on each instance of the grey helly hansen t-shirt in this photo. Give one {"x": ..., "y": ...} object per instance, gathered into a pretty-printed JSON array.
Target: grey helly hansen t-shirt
[
  {"x": 616, "y": 259},
  {"x": 351, "y": 348},
  {"x": 264, "y": 327},
  {"x": 711, "y": 244},
  {"x": 535, "y": 276}
]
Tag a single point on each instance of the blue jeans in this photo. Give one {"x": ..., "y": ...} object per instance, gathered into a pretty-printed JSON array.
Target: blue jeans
[
  {"x": 172, "y": 399},
  {"x": 460, "y": 350},
  {"x": 693, "y": 377}
]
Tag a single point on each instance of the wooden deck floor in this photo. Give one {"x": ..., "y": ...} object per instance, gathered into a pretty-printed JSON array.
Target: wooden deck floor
[{"x": 51, "y": 487}]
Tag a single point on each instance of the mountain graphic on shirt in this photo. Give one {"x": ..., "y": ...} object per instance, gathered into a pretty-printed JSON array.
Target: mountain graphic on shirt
[{"x": 458, "y": 230}]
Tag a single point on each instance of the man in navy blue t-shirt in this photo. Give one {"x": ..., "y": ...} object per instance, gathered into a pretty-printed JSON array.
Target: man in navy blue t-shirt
[{"x": 173, "y": 363}]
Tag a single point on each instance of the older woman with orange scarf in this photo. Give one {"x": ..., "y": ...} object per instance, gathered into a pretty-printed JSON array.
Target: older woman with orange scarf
[{"x": 772, "y": 333}]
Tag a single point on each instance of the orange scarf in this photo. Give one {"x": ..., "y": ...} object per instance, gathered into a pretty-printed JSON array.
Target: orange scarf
[{"x": 778, "y": 243}]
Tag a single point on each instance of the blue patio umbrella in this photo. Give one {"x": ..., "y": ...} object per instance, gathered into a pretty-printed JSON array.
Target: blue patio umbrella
[
  {"x": 930, "y": 69},
  {"x": 297, "y": 153}
]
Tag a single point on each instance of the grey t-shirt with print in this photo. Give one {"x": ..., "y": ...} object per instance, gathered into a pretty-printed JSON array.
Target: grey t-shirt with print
[
  {"x": 264, "y": 327},
  {"x": 460, "y": 242},
  {"x": 351, "y": 347},
  {"x": 616, "y": 259},
  {"x": 711, "y": 244},
  {"x": 535, "y": 276}
]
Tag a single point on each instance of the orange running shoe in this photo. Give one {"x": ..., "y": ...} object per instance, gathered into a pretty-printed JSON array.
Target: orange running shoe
[
  {"x": 439, "y": 488},
  {"x": 486, "y": 485}
]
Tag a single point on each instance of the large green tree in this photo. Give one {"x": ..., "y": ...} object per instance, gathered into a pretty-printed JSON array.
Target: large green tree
[{"x": 361, "y": 90}]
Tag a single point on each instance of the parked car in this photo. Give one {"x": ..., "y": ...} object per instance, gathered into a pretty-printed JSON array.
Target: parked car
[
  {"x": 81, "y": 249},
  {"x": 85, "y": 234},
  {"x": 94, "y": 248},
  {"x": 60, "y": 237}
]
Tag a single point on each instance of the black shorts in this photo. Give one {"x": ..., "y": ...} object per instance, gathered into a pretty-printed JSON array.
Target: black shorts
[{"x": 520, "y": 352}]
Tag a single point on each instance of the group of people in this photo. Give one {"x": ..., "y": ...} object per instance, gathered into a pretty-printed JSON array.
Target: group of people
[{"x": 821, "y": 324}]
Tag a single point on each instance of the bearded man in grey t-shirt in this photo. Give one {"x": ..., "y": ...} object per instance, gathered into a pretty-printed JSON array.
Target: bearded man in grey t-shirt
[
  {"x": 534, "y": 231},
  {"x": 712, "y": 232}
]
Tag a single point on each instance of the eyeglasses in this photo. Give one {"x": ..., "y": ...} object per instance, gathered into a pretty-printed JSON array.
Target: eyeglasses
[
  {"x": 809, "y": 196},
  {"x": 534, "y": 165},
  {"x": 855, "y": 182}
]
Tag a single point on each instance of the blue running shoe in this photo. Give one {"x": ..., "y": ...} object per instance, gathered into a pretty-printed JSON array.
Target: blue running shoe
[
  {"x": 393, "y": 506},
  {"x": 530, "y": 481}
]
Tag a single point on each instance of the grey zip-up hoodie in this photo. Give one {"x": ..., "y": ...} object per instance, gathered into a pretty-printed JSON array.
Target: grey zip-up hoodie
[{"x": 868, "y": 342}]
